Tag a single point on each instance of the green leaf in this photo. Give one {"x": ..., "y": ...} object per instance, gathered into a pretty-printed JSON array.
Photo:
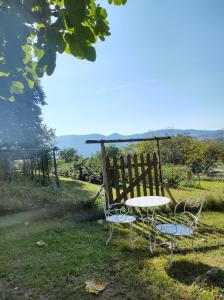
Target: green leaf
[
  {"x": 30, "y": 83},
  {"x": 103, "y": 12},
  {"x": 27, "y": 50},
  {"x": 4, "y": 74},
  {"x": 117, "y": 2},
  {"x": 90, "y": 53},
  {"x": 76, "y": 49},
  {"x": 51, "y": 61},
  {"x": 61, "y": 44},
  {"x": 76, "y": 5},
  {"x": 51, "y": 36},
  {"x": 38, "y": 52},
  {"x": 16, "y": 87},
  {"x": 85, "y": 33},
  {"x": 74, "y": 46},
  {"x": 11, "y": 99},
  {"x": 75, "y": 19}
]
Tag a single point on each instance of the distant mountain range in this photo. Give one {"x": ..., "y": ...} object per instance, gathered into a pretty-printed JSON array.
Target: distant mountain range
[{"x": 78, "y": 141}]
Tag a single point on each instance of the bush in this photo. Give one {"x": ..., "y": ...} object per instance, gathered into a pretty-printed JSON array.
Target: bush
[
  {"x": 173, "y": 176},
  {"x": 214, "y": 202},
  {"x": 93, "y": 170}
]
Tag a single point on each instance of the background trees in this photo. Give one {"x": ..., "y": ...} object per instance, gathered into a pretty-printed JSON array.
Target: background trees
[
  {"x": 186, "y": 150},
  {"x": 68, "y": 155},
  {"x": 21, "y": 122}
]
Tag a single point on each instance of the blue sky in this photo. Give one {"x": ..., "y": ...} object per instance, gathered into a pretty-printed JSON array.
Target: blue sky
[{"x": 162, "y": 67}]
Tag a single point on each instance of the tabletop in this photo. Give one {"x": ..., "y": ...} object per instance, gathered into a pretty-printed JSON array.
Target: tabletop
[{"x": 147, "y": 201}]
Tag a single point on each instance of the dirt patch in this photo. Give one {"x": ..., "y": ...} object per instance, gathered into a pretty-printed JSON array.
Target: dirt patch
[{"x": 27, "y": 216}]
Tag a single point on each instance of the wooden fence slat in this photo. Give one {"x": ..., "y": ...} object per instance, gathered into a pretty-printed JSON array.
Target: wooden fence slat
[
  {"x": 123, "y": 177},
  {"x": 116, "y": 179},
  {"x": 132, "y": 165},
  {"x": 156, "y": 178},
  {"x": 135, "y": 159},
  {"x": 160, "y": 169},
  {"x": 149, "y": 174},
  {"x": 143, "y": 174},
  {"x": 130, "y": 175},
  {"x": 140, "y": 177},
  {"x": 109, "y": 180},
  {"x": 134, "y": 182}
]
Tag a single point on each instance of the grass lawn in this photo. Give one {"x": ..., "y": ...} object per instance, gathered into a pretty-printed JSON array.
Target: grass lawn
[
  {"x": 76, "y": 251},
  {"x": 211, "y": 191},
  {"x": 26, "y": 195}
]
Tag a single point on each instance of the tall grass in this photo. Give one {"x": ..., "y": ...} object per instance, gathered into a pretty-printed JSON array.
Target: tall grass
[{"x": 27, "y": 195}]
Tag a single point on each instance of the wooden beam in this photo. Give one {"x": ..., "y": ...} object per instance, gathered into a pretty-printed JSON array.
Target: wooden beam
[{"x": 128, "y": 140}]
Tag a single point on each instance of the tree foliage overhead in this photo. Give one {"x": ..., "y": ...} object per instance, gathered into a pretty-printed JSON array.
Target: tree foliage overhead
[{"x": 32, "y": 32}]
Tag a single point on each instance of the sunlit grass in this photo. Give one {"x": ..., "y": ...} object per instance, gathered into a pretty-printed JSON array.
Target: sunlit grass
[{"x": 76, "y": 252}]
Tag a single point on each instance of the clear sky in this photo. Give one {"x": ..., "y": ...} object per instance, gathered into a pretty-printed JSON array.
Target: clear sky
[{"x": 162, "y": 67}]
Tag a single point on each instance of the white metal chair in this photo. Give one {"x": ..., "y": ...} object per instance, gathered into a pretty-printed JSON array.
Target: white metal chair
[
  {"x": 184, "y": 224},
  {"x": 117, "y": 213}
]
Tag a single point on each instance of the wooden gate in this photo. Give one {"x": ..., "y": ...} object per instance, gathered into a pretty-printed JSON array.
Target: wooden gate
[{"x": 132, "y": 176}]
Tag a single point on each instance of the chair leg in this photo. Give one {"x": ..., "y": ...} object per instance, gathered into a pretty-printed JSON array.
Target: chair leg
[
  {"x": 111, "y": 233},
  {"x": 195, "y": 253},
  {"x": 143, "y": 226},
  {"x": 131, "y": 235}
]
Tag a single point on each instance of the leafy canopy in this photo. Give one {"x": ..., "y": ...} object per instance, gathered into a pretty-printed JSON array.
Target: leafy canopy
[{"x": 32, "y": 32}]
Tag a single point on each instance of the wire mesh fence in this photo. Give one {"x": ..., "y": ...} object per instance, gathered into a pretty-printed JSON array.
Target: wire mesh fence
[{"x": 36, "y": 164}]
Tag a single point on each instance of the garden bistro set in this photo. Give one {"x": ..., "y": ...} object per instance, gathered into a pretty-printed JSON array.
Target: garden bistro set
[
  {"x": 134, "y": 190},
  {"x": 183, "y": 225}
]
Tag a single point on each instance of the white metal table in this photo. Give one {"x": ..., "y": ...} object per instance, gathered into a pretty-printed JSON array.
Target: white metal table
[{"x": 148, "y": 202}]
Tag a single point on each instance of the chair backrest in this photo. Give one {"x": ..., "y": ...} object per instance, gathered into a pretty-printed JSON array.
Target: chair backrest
[
  {"x": 191, "y": 211},
  {"x": 116, "y": 208}
]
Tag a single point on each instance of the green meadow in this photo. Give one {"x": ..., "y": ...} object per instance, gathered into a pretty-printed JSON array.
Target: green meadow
[{"x": 70, "y": 225}]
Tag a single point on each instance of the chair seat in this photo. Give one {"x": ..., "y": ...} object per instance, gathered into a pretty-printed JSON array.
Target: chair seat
[
  {"x": 120, "y": 219},
  {"x": 175, "y": 229}
]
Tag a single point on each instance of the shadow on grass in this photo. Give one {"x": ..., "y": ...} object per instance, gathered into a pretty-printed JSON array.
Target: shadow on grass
[
  {"x": 192, "y": 188},
  {"x": 201, "y": 230},
  {"x": 78, "y": 199},
  {"x": 187, "y": 272},
  {"x": 79, "y": 193}
]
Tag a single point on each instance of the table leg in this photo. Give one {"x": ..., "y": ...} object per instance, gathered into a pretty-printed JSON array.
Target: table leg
[{"x": 149, "y": 220}]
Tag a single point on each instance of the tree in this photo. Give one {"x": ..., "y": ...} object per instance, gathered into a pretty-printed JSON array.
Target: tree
[
  {"x": 113, "y": 151},
  {"x": 93, "y": 169},
  {"x": 32, "y": 32},
  {"x": 68, "y": 155},
  {"x": 21, "y": 123}
]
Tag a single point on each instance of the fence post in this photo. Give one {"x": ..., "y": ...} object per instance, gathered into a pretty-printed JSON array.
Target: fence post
[
  {"x": 160, "y": 167},
  {"x": 55, "y": 167},
  {"x": 105, "y": 182}
]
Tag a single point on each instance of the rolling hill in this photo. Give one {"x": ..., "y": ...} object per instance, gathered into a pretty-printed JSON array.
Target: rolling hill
[{"x": 78, "y": 141}]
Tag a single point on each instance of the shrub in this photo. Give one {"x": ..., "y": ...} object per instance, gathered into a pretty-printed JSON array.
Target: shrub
[
  {"x": 214, "y": 202},
  {"x": 173, "y": 176}
]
